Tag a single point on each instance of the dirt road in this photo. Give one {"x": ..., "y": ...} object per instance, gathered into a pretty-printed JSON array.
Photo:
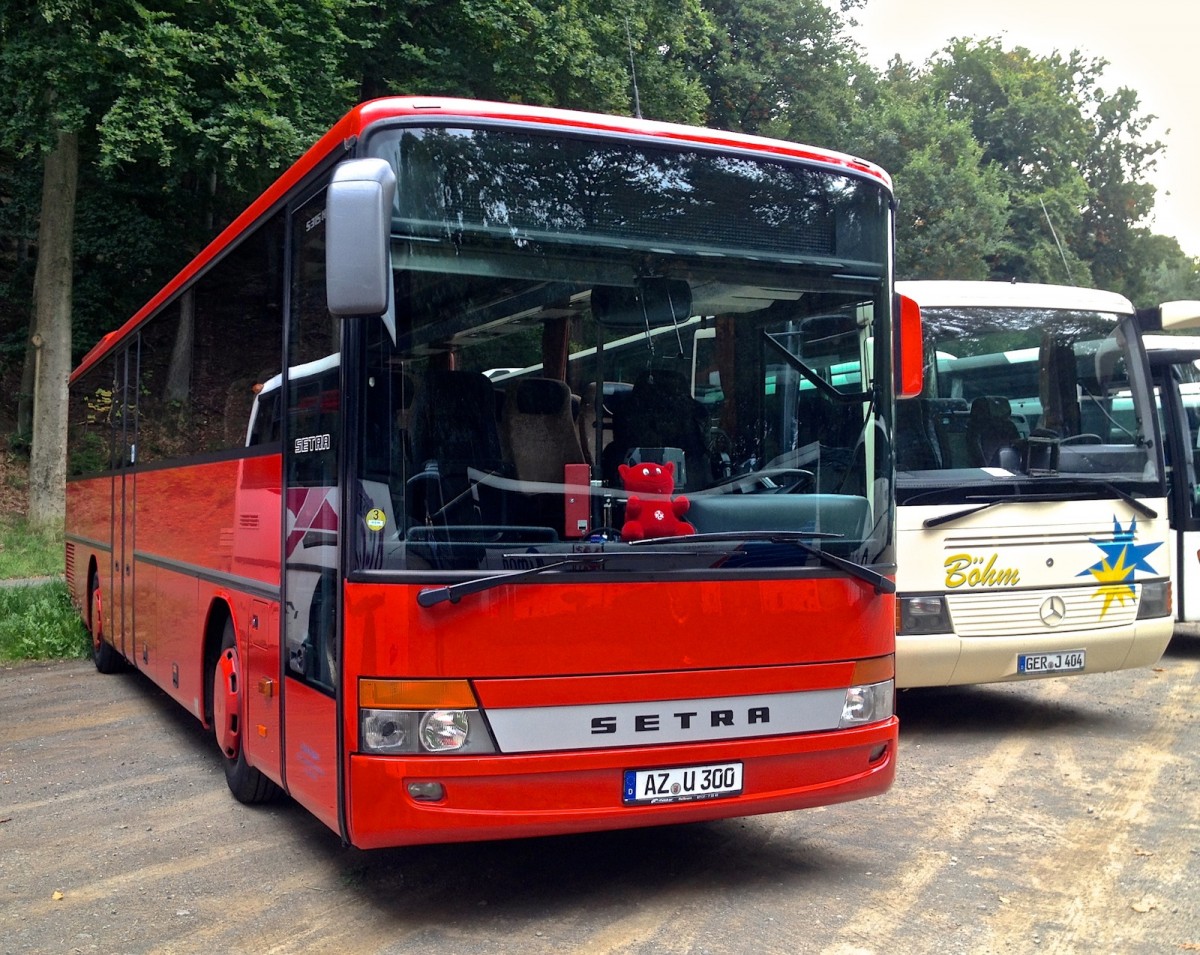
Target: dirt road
[{"x": 1061, "y": 816}]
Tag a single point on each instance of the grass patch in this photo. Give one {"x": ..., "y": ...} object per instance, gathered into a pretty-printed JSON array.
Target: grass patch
[
  {"x": 26, "y": 553},
  {"x": 39, "y": 622}
]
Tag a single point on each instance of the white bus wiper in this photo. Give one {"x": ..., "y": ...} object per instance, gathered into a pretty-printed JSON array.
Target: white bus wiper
[
  {"x": 882, "y": 584},
  {"x": 1064, "y": 495},
  {"x": 1144, "y": 509}
]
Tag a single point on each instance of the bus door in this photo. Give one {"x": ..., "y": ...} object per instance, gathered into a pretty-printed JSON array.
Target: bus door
[
  {"x": 1179, "y": 406},
  {"x": 311, "y": 555},
  {"x": 124, "y": 496}
]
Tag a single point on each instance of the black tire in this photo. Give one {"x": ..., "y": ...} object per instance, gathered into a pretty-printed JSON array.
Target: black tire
[
  {"x": 104, "y": 654},
  {"x": 247, "y": 784}
]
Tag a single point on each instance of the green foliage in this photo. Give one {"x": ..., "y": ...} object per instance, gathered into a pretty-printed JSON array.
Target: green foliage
[
  {"x": 1027, "y": 114},
  {"x": 26, "y": 553},
  {"x": 1005, "y": 163},
  {"x": 40, "y": 623},
  {"x": 564, "y": 53},
  {"x": 951, "y": 204},
  {"x": 779, "y": 68},
  {"x": 1170, "y": 275}
]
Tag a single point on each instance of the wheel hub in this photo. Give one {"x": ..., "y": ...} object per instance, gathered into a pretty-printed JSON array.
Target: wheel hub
[{"x": 227, "y": 703}]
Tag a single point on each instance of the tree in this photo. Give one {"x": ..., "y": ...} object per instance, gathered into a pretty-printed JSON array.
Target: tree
[
  {"x": 569, "y": 54},
  {"x": 207, "y": 92},
  {"x": 951, "y": 205},
  {"x": 779, "y": 68},
  {"x": 37, "y": 62},
  {"x": 1072, "y": 158},
  {"x": 1120, "y": 199},
  {"x": 1171, "y": 274},
  {"x": 1026, "y": 113}
]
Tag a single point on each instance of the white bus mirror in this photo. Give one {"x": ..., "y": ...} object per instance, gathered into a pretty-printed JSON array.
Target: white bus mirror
[
  {"x": 1171, "y": 316},
  {"x": 358, "y": 225}
]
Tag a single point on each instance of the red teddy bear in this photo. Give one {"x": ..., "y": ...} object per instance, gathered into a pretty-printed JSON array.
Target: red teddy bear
[{"x": 653, "y": 518}]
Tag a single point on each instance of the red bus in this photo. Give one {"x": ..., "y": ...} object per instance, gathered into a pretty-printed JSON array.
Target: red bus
[{"x": 356, "y": 487}]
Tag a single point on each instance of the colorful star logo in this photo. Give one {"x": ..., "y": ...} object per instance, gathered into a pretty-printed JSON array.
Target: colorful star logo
[{"x": 1115, "y": 570}]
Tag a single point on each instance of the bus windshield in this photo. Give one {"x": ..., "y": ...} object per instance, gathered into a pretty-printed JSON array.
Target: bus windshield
[
  {"x": 605, "y": 345},
  {"x": 1018, "y": 393}
]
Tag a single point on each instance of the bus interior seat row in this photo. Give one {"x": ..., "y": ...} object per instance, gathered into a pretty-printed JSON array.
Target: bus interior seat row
[{"x": 935, "y": 433}]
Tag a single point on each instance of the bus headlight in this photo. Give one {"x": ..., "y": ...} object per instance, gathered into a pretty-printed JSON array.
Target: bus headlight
[
  {"x": 391, "y": 732},
  {"x": 924, "y": 614},
  {"x": 387, "y": 731},
  {"x": 1156, "y": 600},
  {"x": 419, "y": 717},
  {"x": 445, "y": 730},
  {"x": 868, "y": 703}
]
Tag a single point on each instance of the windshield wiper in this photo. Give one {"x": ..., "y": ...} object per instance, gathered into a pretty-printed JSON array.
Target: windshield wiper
[
  {"x": 430, "y": 596},
  {"x": 882, "y": 584},
  {"x": 770, "y": 536},
  {"x": 1144, "y": 509},
  {"x": 453, "y": 593},
  {"x": 1064, "y": 495}
]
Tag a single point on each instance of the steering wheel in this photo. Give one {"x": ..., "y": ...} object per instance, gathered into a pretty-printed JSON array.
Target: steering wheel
[{"x": 1082, "y": 439}]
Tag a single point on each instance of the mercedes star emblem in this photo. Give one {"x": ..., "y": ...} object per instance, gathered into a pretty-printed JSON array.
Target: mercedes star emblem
[{"x": 1053, "y": 610}]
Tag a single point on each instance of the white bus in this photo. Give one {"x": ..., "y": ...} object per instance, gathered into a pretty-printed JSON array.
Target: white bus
[
  {"x": 1177, "y": 391},
  {"x": 1175, "y": 370},
  {"x": 1032, "y": 513}
]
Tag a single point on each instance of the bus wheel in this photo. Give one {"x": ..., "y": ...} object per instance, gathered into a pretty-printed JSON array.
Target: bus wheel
[
  {"x": 246, "y": 783},
  {"x": 104, "y": 654}
]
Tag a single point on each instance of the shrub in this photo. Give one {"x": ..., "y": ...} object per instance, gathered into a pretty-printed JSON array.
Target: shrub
[{"x": 39, "y": 622}]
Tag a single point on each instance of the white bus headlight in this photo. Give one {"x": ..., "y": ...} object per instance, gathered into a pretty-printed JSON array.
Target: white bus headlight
[
  {"x": 868, "y": 703},
  {"x": 1156, "y": 600},
  {"x": 924, "y": 614}
]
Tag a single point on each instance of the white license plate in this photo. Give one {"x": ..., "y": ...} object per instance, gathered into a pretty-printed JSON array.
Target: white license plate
[
  {"x": 1064, "y": 661},
  {"x": 653, "y": 787}
]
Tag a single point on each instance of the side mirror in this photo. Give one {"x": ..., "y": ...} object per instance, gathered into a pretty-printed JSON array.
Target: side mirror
[
  {"x": 358, "y": 226},
  {"x": 1170, "y": 316},
  {"x": 910, "y": 355}
]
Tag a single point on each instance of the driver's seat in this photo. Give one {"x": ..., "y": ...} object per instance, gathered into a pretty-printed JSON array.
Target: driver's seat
[
  {"x": 991, "y": 434},
  {"x": 660, "y": 412}
]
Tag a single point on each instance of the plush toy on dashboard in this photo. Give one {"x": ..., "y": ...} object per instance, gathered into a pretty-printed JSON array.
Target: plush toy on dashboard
[{"x": 653, "y": 518}]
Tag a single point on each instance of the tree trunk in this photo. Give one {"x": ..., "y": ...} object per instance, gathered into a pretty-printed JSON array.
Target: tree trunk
[
  {"x": 52, "y": 285},
  {"x": 25, "y": 395},
  {"x": 179, "y": 372}
]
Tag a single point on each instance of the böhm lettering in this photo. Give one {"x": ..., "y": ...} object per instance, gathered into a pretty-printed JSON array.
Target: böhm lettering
[{"x": 970, "y": 571}]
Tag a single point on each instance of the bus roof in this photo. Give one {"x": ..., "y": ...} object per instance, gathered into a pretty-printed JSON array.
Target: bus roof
[
  {"x": 350, "y": 127},
  {"x": 948, "y": 294},
  {"x": 1172, "y": 349}
]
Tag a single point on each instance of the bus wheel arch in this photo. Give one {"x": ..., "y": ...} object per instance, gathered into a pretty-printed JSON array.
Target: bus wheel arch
[
  {"x": 104, "y": 654},
  {"x": 226, "y": 705}
]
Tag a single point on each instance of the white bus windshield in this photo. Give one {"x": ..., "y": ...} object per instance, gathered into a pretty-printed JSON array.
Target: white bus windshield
[{"x": 1026, "y": 394}]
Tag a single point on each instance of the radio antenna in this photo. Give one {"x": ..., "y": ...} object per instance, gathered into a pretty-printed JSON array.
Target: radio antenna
[
  {"x": 637, "y": 104},
  {"x": 1061, "y": 254}
]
